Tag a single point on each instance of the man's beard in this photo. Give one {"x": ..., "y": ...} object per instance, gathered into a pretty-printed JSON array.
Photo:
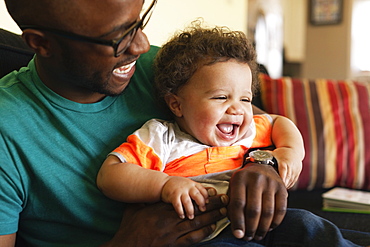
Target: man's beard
[{"x": 84, "y": 77}]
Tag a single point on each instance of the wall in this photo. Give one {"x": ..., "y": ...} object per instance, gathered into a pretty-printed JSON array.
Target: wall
[
  {"x": 295, "y": 16},
  {"x": 328, "y": 48},
  {"x": 171, "y": 15},
  {"x": 6, "y": 22}
]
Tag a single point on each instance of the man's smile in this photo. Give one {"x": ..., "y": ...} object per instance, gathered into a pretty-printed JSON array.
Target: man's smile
[{"x": 123, "y": 70}]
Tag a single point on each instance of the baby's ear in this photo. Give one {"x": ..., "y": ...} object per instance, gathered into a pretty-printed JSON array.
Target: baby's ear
[{"x": 174, "y": 103}]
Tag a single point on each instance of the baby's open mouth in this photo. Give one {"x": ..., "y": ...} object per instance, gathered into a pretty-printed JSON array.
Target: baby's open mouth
[{"x": 227, "y": 129}]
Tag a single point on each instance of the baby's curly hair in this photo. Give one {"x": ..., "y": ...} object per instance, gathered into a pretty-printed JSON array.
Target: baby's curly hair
[{"x": 195, "y": 47}]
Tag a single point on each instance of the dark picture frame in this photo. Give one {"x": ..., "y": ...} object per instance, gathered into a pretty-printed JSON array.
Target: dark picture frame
[{"x": 326, "y": 12}]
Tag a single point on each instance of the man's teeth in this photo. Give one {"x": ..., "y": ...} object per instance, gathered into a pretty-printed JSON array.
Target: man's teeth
[
  {"x": 226, "y": 128},
  {"x": 125, "y": 69}
]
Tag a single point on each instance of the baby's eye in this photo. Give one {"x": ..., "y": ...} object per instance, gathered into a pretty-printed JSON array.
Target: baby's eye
[
  {"x": 246, "y": 99},
  {"x": 220, "y": 97}
]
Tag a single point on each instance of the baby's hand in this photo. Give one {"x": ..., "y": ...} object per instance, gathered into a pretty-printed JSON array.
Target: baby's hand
[
  {"x": 290, "y": 165},
  {"x": 180, "y": 192}
]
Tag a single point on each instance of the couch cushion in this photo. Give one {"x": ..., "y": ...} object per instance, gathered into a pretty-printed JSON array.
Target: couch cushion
[
  {"x": 334, "y": 119},
  {"x": 14, "y": 53}
]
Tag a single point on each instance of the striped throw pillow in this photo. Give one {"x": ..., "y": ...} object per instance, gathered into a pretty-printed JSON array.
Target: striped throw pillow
[{"x": 334, "y": 119}]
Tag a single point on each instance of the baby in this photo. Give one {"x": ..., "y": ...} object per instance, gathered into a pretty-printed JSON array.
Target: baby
[{"x": 207, "y": 78}]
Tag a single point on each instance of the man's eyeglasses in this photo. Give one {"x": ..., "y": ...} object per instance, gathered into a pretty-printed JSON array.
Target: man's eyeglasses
[{"x": 119, "y": 45}]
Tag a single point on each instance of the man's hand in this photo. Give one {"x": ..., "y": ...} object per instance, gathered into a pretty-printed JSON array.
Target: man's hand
[
  {"x": 159, "y": 225},
  {"x": 258, "y": 201}
]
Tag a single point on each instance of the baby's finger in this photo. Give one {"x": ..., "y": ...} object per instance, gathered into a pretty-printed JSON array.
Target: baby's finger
[
  {"x": 203, "y": 191},
  {"x": 187, "y": 203},
  {"x": 177, "y": 205},
  {"x": 199, "y": 199},
  {"x": 292, "y": 181}
]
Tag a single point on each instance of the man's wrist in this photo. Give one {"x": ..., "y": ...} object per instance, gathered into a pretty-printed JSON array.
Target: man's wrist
[{"x": 263, "y": 158}]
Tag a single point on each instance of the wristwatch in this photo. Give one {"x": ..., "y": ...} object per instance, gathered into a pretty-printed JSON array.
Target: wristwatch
[{"x": 262, "y": 157}]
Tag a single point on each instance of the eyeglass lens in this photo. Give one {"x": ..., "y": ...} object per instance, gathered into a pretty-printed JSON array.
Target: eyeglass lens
[{"x": 144, "y": 19}]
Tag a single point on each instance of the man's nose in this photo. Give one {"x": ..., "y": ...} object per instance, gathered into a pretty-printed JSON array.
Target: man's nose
[{"x": 140, "y": 44}]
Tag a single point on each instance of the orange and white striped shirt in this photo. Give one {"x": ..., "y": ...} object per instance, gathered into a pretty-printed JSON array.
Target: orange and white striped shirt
[{"x": 161, "y": 145}]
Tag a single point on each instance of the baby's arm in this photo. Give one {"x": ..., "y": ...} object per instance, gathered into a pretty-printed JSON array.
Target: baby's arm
[
  {"x": 132, "y": 183},
  {"x": 289, "y": 150}
]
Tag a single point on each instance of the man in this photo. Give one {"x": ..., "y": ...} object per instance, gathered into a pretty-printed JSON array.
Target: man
[{"x": 59, "y": 119}]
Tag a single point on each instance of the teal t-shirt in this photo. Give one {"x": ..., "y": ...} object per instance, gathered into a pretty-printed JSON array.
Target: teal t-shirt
[{"x": 51, "y": 150}]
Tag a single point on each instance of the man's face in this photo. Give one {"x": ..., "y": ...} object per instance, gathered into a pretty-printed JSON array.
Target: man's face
[{"x": 92, "y": 68}]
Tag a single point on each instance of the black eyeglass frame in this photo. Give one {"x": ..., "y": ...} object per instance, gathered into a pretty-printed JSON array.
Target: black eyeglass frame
[{"x": 113, "y": 43}]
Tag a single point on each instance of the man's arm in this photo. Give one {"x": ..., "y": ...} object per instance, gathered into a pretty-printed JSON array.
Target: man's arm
[
  {"x": 258, "y": 199},
  {"x": 7, "y": 240}
]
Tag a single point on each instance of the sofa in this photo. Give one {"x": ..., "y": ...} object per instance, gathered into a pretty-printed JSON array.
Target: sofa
[
  {"x": 14, "y": 53},
  {"x": 333, "y": 117}
]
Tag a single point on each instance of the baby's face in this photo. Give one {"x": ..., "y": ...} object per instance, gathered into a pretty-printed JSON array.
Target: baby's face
[{"x": 215, "y": 105}]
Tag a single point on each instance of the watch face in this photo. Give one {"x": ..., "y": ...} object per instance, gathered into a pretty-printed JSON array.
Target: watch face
[{"x": 261, "y": 156}]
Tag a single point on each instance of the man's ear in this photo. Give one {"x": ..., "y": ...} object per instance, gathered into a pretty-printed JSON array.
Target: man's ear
[
  {"x": 37, "y": 41},
  {"x": 174, "y": 104}
]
